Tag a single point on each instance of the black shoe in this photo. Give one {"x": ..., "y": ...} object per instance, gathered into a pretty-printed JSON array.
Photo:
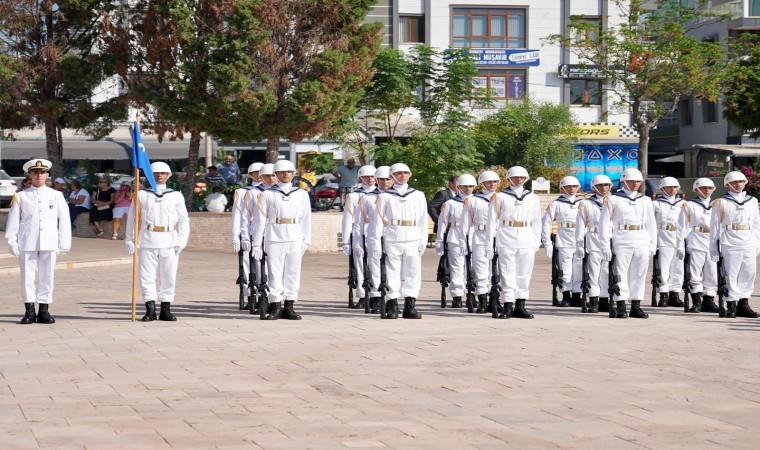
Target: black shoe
[
  {"x": 520, "y": 312},
  {"x": 470, "y": 303},
  {"x": 664, "y": 297},
  {"x": 636, "y": 311},
  {"x": 456, "y": 302},
  {"x": 150, "y": 311},
  {"x": 743, "y": 309},
  {"x": 374, "y": 307},
  {"x": 482, "y": 300},
  {"x": 708, "y": 304},
  {"x": 246, "y": 307},
  {"x": 675, "y": 300},
  {"x": 593, "y": 305},
  {"x": 696, "y": 300},
  {"x": 620, "y": 311},
  {"x": 575, "y": 300},
  {"x": 565, "y": 299},
  {"x": 730, "y": 310},
  {"x": 604, "y": 304},
  {"x": 391, "y": 309},
  {"x": 166, "y": 313},
  {"x": 409, "y": 311},
  {"x": 44, "y": 316},
  {"x": 359, "y": 304},
  {"x": 275, "y": 311},
  {"x": 508, "y": 310},
  {"x": 289, "y": 313},
  {"x": 29, "y": 314}
]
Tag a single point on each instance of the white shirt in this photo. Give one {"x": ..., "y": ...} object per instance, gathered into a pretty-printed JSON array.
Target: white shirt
[
  {"x": 516, "y": 204},
  {"x": 564, "y": 211},
  {"x": 165, "y": 209},
  {"x": 350, "y": 211},
  {"x": 625, "y": 209},
  {"x": 451, "y": 218},
  {"x": 730, "y": 211},
  {"x": 82, "y": 193},
  {"x": 288, "y": 215},
  {"x": 38, "y": 221},
  {"x": 588, "y": 224},
  {"x": 216, "y": 202},
  {"x": 367, "y": 223},
  {"x": 694, "y": 224},
  {"x": 403, "y": 211},
  {"x": 667, "y": 209},
  {"x": 475, "y": 210}
]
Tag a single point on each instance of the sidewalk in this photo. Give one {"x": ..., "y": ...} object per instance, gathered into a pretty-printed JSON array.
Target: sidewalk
[{"x": 220, "y": 378}]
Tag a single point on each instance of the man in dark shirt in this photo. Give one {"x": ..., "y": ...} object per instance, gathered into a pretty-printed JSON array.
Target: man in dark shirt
[
  {"x": 441, "y": 197},
  {"x": 230, "y": 170},
  {"x": 214, "y": 179}
]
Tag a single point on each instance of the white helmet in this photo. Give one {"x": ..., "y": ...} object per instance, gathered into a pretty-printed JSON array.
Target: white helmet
[
  {"x": 568, "y": 181},
  {"x": 733, "y": 176},
  {"x": 383, "y": 172},
  {"x": 466, "y": 180},
  {"x": 367, "y": 171},
  {"x": 284, "y": 165},
  {"x": 160, "y": 167},
  {"x": 600, "y": 179},
  {"x": 631, "y": 174},
  {"x": 518, "y": 171},
  {"x": 702, "y": 182},
  {"x": 267, "y": 169},
  {"x": 400, "y": 167},
  {"x": 255, "y": 167},
  {"x": 488, "y": 175},
  {"x": 669, "y": 182}
]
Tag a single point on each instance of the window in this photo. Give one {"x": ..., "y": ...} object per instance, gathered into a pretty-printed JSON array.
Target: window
[
  {"x": 754, "y": 8},
  {"x": 489, "y": 28},
  {"x": 685, "y": 107},
  {"x": 411, "y": 29},
  {"x": 585, "y": 92},
  {"x": 502, "y": 84},
  {"x": 591, "y": 31},
  {"x": 709, "y": 111}
]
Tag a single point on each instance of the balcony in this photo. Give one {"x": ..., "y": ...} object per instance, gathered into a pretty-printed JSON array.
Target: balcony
[{"x": 742, "y": 14}]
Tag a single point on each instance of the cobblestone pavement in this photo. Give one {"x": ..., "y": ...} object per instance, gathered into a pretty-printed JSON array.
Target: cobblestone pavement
[{"x": 220, "y": 378}]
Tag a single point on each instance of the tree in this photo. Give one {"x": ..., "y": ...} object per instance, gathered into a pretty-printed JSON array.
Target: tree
[
  {"x": 528, "y": 133},
  {"x": 648, "y": 56},
  {"x": 52, "y": 64},
  {"x": 742, "y": 92}
]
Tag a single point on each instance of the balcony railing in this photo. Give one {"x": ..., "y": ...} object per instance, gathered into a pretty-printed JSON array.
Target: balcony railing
[{"x": 734, "y": 9}]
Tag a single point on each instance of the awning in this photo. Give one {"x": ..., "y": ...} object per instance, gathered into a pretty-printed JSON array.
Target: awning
[
  {"x": 108, "y": 148},
  {"x": 671, "y": 159},
  {"x": 738, "y": 151}
]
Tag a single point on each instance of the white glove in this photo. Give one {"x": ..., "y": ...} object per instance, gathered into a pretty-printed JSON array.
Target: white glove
[
  {"x": 579, "y": 253},
  {"x": 346, "y": 249},
  {"x": 304, "y": 247},
  {"x": 549, "y": 249},
  {"x": 178, "y": 250},
  {"x": 14, "y": 250},
  {"x": 359, "y": 251},
  {"x": 607, "y": 254},
  {"x": 62, "y": 250},
  {"x": 421, "y": 248},
  {"x": 680, "y": 253},
  {"x": 257, "y": 253},
  {"x": 489, "y": 253},
  {"x": 715, "y": 258},
  {"x": 245, "y": 246},
  {"x": 652, "y": 252},
  {"x": 439, "y": 248},
  {"x": 130, "y": 246},
  {"x": 377, "y": 254},
  {"x": 236, "y": 246}
]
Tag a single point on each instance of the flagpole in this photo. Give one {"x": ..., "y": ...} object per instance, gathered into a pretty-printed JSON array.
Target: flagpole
[{"x": 136, "y": 230}]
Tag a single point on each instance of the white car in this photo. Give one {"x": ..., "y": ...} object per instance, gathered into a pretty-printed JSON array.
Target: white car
[{"x": 7, "y": 189}]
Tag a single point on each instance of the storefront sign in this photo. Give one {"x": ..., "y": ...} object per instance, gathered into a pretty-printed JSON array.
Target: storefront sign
[
  {"x": 580, "y": 71},
  {"x": 599, "y": 131},
  {"x": 505, "y": 57}
]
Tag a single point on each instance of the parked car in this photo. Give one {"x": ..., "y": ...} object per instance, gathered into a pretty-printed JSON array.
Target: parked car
[
  {"x": 326, "y": 193},
  {"x": 7, "y": 189}
]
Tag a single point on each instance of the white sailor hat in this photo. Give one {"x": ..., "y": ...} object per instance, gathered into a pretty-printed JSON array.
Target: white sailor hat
[{"x": 37, "y": 163}]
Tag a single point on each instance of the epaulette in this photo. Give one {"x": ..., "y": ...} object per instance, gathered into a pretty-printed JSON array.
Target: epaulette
[
  {"x": 697, "y": 200},
  {"x": 514, "y": 194},
  {"x": 728, "y": 196}
]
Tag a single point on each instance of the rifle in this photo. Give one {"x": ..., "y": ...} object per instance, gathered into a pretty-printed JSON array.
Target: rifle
[
  {"x": 253, "y": 297},
  {"x": 352, "y": 280},
  {"x": 263, "y": 288},
  {"x": 557, "y": 273},
  {"x": 470, "y": 279},
  {"x": 444, "y": 270},
  {"x": 612, "y": 282},
  {"x": 383, "y": 288},
  {"x": 585, "y": 282},
  {"x": 495, "y": 286},
  {"x": 722, "y": 285},
  {"x": 657, "y": 280},
  {"x": 241, "y": 281},
  {"x": 367, "y": 283},
  {"x": 686, "y": 278}
]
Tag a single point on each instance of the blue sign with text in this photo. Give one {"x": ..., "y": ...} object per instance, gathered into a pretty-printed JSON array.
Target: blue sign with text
[
  {"x": 607, "y": 159},
  {"x": 505, "y": 57}
]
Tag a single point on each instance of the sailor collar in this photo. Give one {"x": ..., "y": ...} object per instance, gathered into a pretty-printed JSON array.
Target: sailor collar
[
  {"x": 622, "y": 194},
  {"x": 482, "y": 196},
  {"x": 661, "y": 198},
  {"x": 595, "y": 199},
  {"x": 698, "y": 201},
  {"x": 393, "y": 191},
  {"x": 512, "y": 193},
  {"x": 731, "y": 198},
  {"x": 563, "y": 199},
  {"x": 458, "y": 198},
  {"x": 278, "y": 188},
  {"x": 166, "y": 191}
]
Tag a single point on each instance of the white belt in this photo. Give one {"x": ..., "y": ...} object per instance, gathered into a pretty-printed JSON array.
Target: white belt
[
  {"x": 515, "y": 223},
  {"x": 632, "y": 226},
  {"x": 738, "y": 226},
  {"x": 566, "y": 225},
  {"x": 479, "y": 227},
  {"x": 159, "y": 228},
  {"x": 287, "y": 220},
  {"x": 404, "y": 223},
  {"x": 667, "y": 226},
  {"x": 701, "y": 229}
]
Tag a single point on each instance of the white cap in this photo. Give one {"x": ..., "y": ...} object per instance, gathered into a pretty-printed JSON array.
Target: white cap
[
  {"x": 160, "y": 167},
  {"x": 284, "y": 165},
  {"x": 267, "y": 169},
  {"x": 568, "y": 181},
  {"x": 631, "y": 174},
  {"x": 466, "y": 180},
  {"x": 367, "y": 171},
  {"x": 488, "y": 175},
  {"x": 255, "y": 167},
  {"x": 518, "y": 171},
  {"x": 383, "y": 172},
  {"x": 400, "y": 167},
  {"x": 733, "y": 176},
  {"x": 37, "y": 163},
  {"x": 669, "y": 182},
  {"x": 600, "y": 179},
  {"x": 702, "y": 182},
  {"x": 60, "y": 180}
]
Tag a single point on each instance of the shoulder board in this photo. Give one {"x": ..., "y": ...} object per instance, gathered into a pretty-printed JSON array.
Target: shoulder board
[
  {"x": 698, "y": 202},
  {"x": 728, "y": 197},
  {"x": 622, "y": 194}
]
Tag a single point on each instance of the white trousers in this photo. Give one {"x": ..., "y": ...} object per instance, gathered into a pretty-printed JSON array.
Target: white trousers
[
  {"x": 516, "y": 266},
  {"x": 481, "y": 269},
  {"x": 32, "y": 263},
  {"x": 458, "y": 271},
  {"x": 572, "y": 269},
  {"x": 403, "y": 266},
  {"x": 631, "y": 265},
  {"x": 739, "y": 265},
  {"x": 598, "y": 274},
  {"x": 373, "y": 264},
  {"x": 283, "y": 270},
  {"x": 161, "y": 261},
  {"x": 704, "y": 273},
  {"x": 359, "y": 264},
  {"x": 671, "y": 269}
]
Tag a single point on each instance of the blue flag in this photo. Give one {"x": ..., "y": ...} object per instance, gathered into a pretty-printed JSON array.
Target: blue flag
[{"x": 140, "y": 156}]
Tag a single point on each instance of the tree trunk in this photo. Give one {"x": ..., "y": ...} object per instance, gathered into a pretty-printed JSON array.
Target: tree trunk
[
  {"x": 192, "y": 164},
  {"x": 644, "y": 148},
  {"x": 54, "y": 148},
  {"x": 273, "y": 149}
]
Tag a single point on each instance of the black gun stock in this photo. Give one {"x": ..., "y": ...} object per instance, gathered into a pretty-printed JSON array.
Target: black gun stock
[
  {"x": 352, "y": 280},
  {"x": 263, "y": 288},
  {"x": 470, "y": 279},
  {"x": 686, "y": 278},
  {"x": 367, "y": 284},
  {"x": 241, "y": 281},
  {"x": 657, "y": 280},
  {"x": 585, "y": 282},
  {"x": 722, "y": 284},
  {"x": 557, "y": 273},
  {"x": 443, "y": 275},
  {"x": 613, "y": 288},
  {"x": 495, "y": 284},
  {"x": 253, "y": 297},
  {"x": 383, "y": 288}
]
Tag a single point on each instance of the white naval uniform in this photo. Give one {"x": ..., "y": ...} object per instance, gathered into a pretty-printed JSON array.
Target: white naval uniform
[
  {"x": 367, "y": 230},
  {"x": 350, "y": 216},
  {"x": 253, "y": 217},
  {"x": 628, "y": 224},
  {"x": 475, "y": 217},
  {"x": 564, "y": 211},
  {"x": 38, "y": 225},
  {"x": 164, "y": 231},
  {"x": 694, "y": 226},
  {"x": 450, "y": 219},
  {"x": 516, "y": 217},
  {"x": 403, "y": 211},
  {"x": 735, "y": 222},
  {"x": 239, "y": 226},
  {"x": 286, "y": 236},
  {"x": 667, "y": 210},
  {"x": 589, "y": 221}
]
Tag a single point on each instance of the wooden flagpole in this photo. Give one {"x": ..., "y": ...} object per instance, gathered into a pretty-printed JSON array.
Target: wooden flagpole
[{"x": 136, "y": 231}]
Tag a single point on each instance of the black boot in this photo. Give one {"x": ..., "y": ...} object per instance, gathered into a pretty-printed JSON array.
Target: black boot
[
  {"x": 576, "y": 301},
  {"x": 743, "y": 309},
  {"x": 636, "y": 311},
  {"x": 150, "y": 311},
  {"x": 29, "y": 314},
  {"x": 565, "y": 299},
  {"x": 470, "y": 303},
  {"x": 482, "y": 300},
  {"x": 520, "y": 312},
  {"x": 289, "y": 313},
  {"x": 275, "y": 311},
  {"x": 730, "y": 310},
  {"x": 664, "y": 297},
  {"x": 620, "y": 310},
  {"x": 359, "y": 304},
  {"x": 708, "y": 304},
  {"x": 166, "y": 312},
  {"x": 675, "y": 300},
  {"x": 456, "y": 302},
  {"x": 696, "y": 300},
  {"x": 604, "y": 304},
  {"x": 44, "y": 316},
  {"x": 508, "y": 310},
  {"x": 409, "y": 311},
  {"x": 374, "y": 303},
  {"x": 593, "y": 305},
  {"x": 391, "y": 309}
]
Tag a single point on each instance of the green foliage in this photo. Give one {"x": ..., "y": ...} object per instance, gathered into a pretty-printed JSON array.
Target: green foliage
[
  {"x": 319, "y": 162},
  {"x": 741, "y": 89}
]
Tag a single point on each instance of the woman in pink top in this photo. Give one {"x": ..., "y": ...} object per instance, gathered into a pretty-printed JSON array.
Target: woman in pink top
[{"x": 122, "y": 202}]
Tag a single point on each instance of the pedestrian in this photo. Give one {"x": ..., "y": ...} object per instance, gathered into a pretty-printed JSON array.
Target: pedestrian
[
  {"x": 216, "y": 202},
  {"x": 239, "y": 224},
  {"x": 286, "y": 237},
  {"x": 122, "y": 202},
  {"x": 26, "y": 183},
  {"x": 102, "y": 200},
  {"x": 213, "y": 179},
  {"x": 45, "y": 234},
  {"x": 230, "y": 170},
  {"x": 587, "y": 236},
  {"x": 515, "y": 214},
  {"x": 164, "y": 229},
  {"x": 403, "y": 210},
  {"x": 441, "y": 197},
  {"x": 670, "y": 244},
  {"x": 348, "y": 177},
  {"x": 629, "y": 231},
  {"x": 79, "y": 201},
  {"x": 350, "y": 214},
  {"x": 734, "y": 236},
  {"x": 694, "y": 227},
  {"x": 60, "y": 185}
]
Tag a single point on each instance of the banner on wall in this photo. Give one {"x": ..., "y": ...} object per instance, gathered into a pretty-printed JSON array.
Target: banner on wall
[{"x": 606, "y": 159}]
